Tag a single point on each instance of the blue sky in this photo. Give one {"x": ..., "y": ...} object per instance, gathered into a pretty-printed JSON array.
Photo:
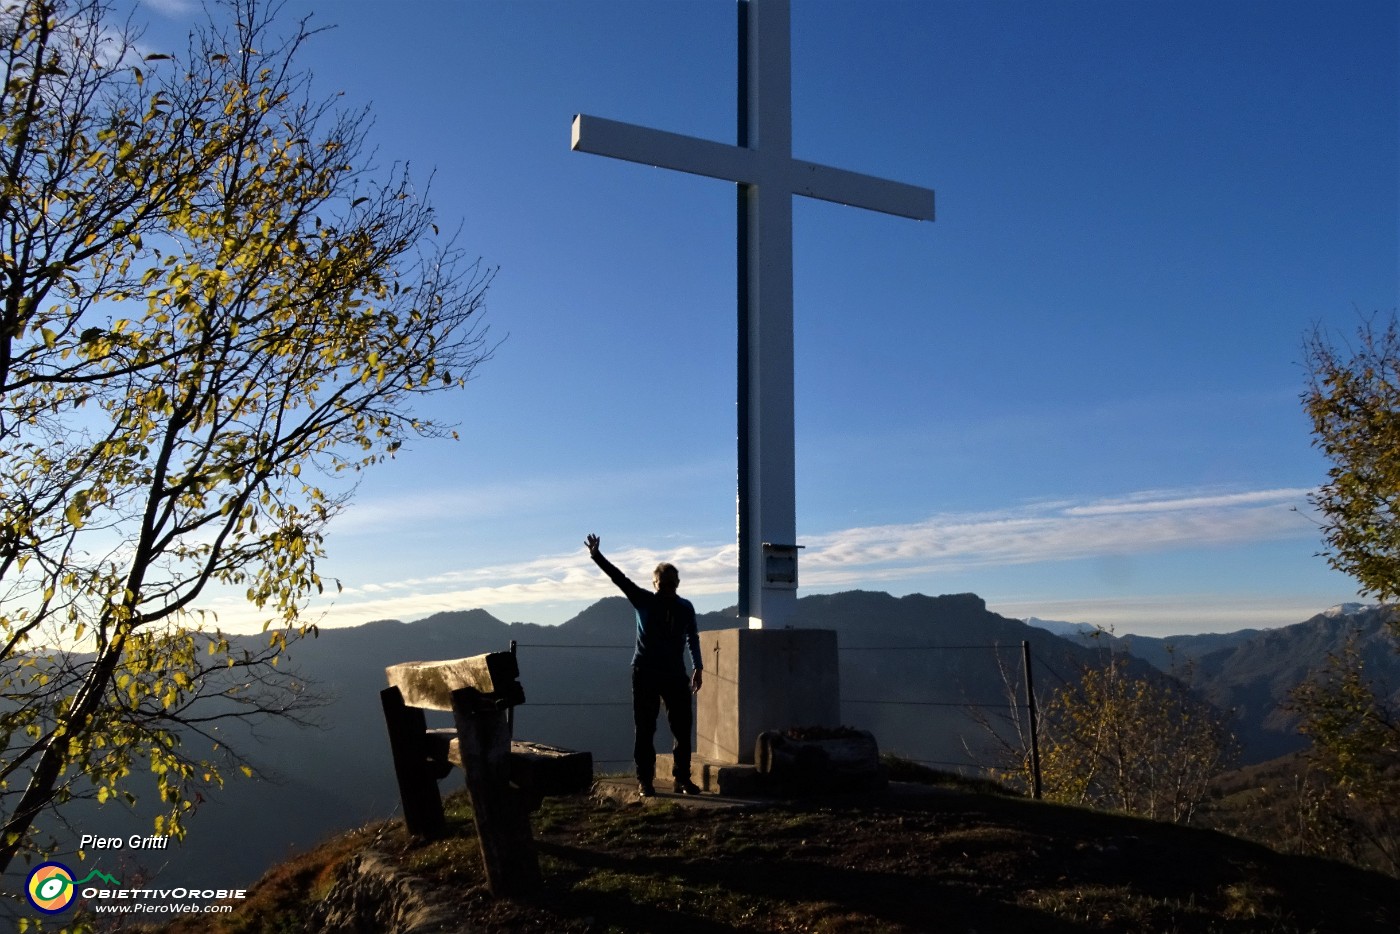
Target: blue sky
[{"x": 1075, "y": 393}]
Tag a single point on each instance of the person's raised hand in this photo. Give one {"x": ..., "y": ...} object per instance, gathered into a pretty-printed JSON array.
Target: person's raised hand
[{"x": 592, "y": 541}]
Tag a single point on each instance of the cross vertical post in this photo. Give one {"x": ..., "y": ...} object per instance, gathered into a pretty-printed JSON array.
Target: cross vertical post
[
  {"x": 767, "y": 501},
  {"x": 767, "y": 177}
]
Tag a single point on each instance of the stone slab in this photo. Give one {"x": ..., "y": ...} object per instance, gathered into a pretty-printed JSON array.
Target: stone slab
[
  {"x": 845, "y": 760},
  {"x": 541, "y": 770},
  {"x": 721, "y": 778}
]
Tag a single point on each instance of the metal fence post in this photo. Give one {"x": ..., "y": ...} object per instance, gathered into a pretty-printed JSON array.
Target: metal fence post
[
  {"x": 510, "y": 711},
  {"x": 1034, "y": 718}
]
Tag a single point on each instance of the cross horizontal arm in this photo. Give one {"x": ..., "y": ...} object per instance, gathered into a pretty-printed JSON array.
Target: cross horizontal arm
[
  {"x": 691, "y": 154},
  {"x": 697, "y": 156},
  {"x": 862, "y": 191}
]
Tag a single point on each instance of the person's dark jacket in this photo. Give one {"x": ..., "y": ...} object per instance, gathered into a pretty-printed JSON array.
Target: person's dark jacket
[{"x": 665, "y": 625}]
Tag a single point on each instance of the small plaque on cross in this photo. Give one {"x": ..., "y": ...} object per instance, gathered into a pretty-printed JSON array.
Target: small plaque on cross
[{"x": 780, "y": 565}]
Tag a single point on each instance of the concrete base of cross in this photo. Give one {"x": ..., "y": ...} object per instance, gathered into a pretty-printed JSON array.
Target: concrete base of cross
[{"x": 763, "y": 679}]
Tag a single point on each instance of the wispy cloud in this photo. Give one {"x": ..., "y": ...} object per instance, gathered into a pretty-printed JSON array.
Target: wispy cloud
[
  {"x": 172, "y": 8},
  {"x": 1055, "y": 532},
  {"x": 883, "y": 555},
  {"x": 1167, "y": 502},
  {"x": 518, "y": 497}
]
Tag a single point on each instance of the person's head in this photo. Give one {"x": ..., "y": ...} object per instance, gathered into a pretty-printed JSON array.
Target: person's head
[{"x": 666, "y": 578}]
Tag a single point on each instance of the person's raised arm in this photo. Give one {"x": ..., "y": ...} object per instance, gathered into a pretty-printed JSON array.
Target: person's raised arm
[{"x": 617, "y": 577}]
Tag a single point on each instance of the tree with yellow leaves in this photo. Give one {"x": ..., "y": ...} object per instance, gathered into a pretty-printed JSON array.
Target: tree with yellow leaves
[
  {"x": 1353, "y": 401},
  {"x": 1137, "y": 743},
  {"x": 213, "y": 316}
]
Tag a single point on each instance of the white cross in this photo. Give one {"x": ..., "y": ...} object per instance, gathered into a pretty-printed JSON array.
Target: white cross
[{"x": 767, "y": 176}]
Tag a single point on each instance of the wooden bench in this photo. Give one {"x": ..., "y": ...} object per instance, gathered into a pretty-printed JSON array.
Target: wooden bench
[{"x": 505, "y": 780}]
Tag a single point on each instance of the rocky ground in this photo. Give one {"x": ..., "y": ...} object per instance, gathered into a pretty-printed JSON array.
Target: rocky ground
[{"x": 938, "y": 860}]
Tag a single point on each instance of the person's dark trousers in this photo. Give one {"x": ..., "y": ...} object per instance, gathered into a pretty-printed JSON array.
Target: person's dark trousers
[{"x": 650, "y": 690}]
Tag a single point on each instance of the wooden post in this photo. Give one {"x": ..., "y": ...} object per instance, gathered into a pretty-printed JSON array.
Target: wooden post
[
  {"x": 1035, "y": 721},
  {"x": 502, "y": 822},
  {"x": 422, "y": 804}
]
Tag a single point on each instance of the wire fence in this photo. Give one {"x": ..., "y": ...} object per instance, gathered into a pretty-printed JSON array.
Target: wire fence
[{"x": 1020, "y": 699}]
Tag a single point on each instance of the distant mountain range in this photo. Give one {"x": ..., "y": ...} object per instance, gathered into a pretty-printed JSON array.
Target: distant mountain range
[
  {"x": 1250, "y": 674},
  {"x": 927, "y": 675}
]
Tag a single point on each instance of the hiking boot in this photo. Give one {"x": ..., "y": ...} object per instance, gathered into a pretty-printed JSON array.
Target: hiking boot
[
  {"x": 645, "y": 789},
  {"x": 685, "y": 786}
]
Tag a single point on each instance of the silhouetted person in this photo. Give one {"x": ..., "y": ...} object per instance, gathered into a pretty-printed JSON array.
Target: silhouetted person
[{"x": 665, "y": 631}]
